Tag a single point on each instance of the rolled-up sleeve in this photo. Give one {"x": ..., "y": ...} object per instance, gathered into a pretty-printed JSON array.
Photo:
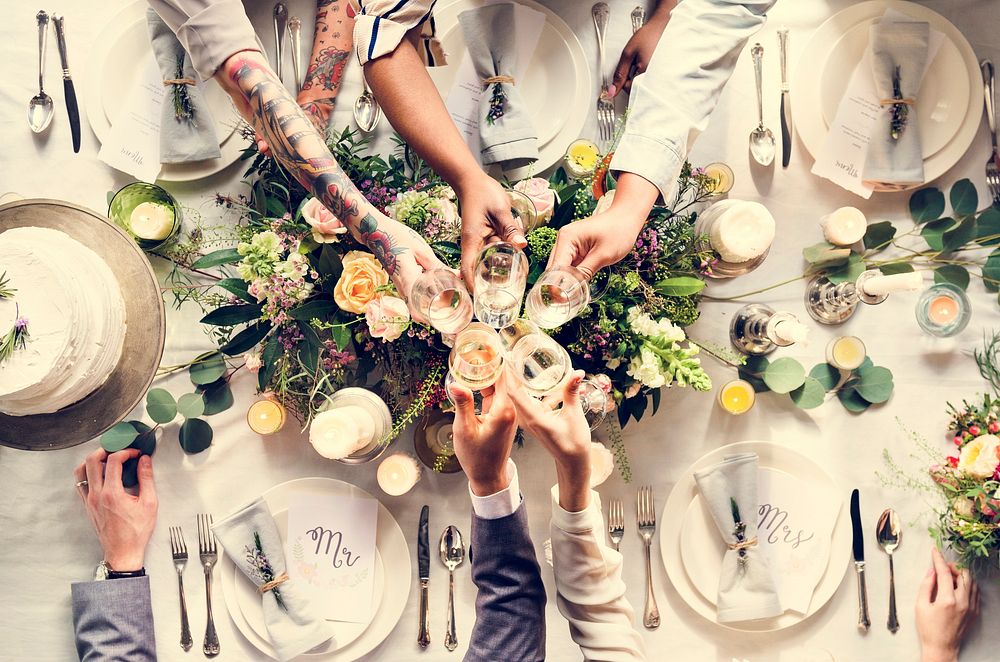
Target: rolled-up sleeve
[
  {"x": 209, "y": 30},
  {"x": 383, "y": 24},
  {"x": 671, "y": 102}
]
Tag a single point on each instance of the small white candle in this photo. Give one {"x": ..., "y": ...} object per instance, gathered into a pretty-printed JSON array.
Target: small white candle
[
  {"x": 881, "y": 285},
  {"x": 845, "y": 226},
  {"x": 791, "y": 331},
  {"x": 338, "y": 432},
  {"x": 602, "y": 463},
  {"x": 742, "y": 231},
  {"x": 398, "y": 473},
  {"x": 152, "y": 220}
]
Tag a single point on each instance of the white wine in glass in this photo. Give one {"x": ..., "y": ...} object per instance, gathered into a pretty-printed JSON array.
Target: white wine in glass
[
  {"x": 557, "y": 297},
  {"x": 498, "y": 287},
  {"x": 540, "y": 363},
  {"x": 440, "y": 297},
  {"x": 476, "y": 360}
]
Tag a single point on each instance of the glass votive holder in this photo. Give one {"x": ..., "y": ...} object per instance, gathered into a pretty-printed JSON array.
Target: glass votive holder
[
  {"x": 266, "y": 416},
  {"x": 943, "y": 310},
  {"x": 581, "y": 159},
  {"x": 723, "y": 177},
  {"x": 147, "y": 213},
  {"x": 356, "y": 402},
  {"x": 846, "y": 352},
  {"x": 737, "y": 397},
  {"x": 434, "y": 442}
]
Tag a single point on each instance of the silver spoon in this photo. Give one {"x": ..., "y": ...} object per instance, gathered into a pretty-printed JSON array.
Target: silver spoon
[
  {"x": 761, "y": 139},
  {"x": 40, "y": 106},
  {"x": 452, "y": 556},
  {"x": 366, "y": 109},
  {"x": 889, "y": 533}
]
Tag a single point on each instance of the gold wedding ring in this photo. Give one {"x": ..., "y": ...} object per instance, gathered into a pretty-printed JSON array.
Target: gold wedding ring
[{"x": 82, "y": 483}]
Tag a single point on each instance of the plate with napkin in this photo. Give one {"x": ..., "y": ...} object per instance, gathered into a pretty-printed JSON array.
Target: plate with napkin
[{"x": 748, "y": 472}]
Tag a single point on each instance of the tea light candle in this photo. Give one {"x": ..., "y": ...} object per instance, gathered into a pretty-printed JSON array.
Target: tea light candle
[
  {"x": 338, "y": 432},
  {"x": 152, "y": 221},
  {"x": 742, "y": 231},
  {"x": 582, "y": 158},
  {"x": 882, "y": 285},
  {"x": 602, "y": 463},
  {"x": 791, "y": 331},
  {"x": 398, "y": 473},
  {"x": 266, "y": 416},
  {"x": 737, "y": 397},
  {"x": 723, "y": 176},
  {"x": 943, "y": 310},
  {"x": 845, "y": 226},
  {"x": 846, "y": 352}
]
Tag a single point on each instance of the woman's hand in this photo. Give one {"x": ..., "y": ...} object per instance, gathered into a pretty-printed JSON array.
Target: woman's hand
[
  {"x": 947, "y": 604},
  {"x": 403, "y": 253},
  {"x": 639, "y": 49},
  {"x": 486, "y": 218}
]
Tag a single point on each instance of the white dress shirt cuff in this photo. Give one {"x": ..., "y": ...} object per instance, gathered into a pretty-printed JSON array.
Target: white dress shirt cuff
[
  {"x": 584, "y": 521},
  {"x": 500, "y": 504},
  {"x": 657, "y": 161}
]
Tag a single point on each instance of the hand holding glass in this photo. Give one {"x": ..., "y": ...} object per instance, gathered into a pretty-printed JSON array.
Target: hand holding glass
[
  {"x": 557, "y": 297},
  {"x": 500, "y": 279},
  {"x": 440, "y": 298}
]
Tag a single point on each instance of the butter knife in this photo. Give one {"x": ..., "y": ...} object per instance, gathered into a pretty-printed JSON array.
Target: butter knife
[
  {"x": 786, "y": 101},
  {"x": 859, "y": 562},
  {"x": 424, "y": 571},
  {"x": 280, "y": 16},
  {"x": 71, "y": 106}
]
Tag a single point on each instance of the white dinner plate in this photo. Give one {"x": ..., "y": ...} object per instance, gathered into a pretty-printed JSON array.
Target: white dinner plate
[
  {"x": 773, "y": 456},
  {"x": 115, "y": 65},
  {"x": 809, "y": 94},
  {"x": 557, "y": 88},
  {"x": 395, "y": 562}
]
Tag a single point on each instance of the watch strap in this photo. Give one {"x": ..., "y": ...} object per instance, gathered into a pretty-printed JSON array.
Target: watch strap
[{"x": 126, "y": 574}]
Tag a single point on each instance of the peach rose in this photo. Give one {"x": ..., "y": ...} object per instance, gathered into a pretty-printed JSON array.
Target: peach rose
[
  {"x": 359, "y": 283},
  {"x": 979, "y": 458},
  {"x": 541, "y": 194},
  {"x": 387, "y": 317},
  {"x": 325, "y": 226}
]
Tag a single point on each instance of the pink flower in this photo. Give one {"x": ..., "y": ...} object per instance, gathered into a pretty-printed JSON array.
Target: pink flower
[
  {"x": 253, "y": 362},
  {"x": 325, "y": 226},
  {"x": 603, "y": 382},
  {"x": 387, "y": 317},
  {"x": 541, "y": 195}
]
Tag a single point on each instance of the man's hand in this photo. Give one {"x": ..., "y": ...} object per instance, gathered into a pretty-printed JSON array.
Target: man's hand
[
  {"x": 486, "y": 218},
  {"x": 639, "y": 49},
  {"x": 123, "y": 522},
  {"x": 947, "y": 604},
  {"x": 483, "y": 443}
]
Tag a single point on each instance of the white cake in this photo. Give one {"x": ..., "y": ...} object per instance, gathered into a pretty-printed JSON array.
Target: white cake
[{"x": 76, "y": 321}]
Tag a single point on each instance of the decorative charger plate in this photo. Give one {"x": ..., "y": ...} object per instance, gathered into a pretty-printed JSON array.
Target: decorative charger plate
[{"x": 143, "y": 344}]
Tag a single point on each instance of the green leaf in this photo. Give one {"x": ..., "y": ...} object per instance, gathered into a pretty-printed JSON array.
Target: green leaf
[
  {"x": 849, "y": 272},
  {"x": 927, "y": 204},
  {"x": 269, "y": 361},
  {"x": 207, "y": 368},
  {"x": 447, "y": 248},
  {"x": 119, "y": 437},
  {"x": 195, "y": 435},
  {"x": 216, "y": 258},
  {"x": 160, "y": 405},
  {"x": 852, "y": 401},
  {"x": 655, "y": 395},
  {"x": 826, "y": 375},
  {"x": 784, "y": 375},
  {"x": 146, "y": 441},
  {"x": 319, "y": 308},
  {"x": 752, "y": 370},
  {"x": 810, "y": 395},
  {"x": 960, "y": 235},
  {"x": 309, "y": 347},
  {"x": 191, "y": 405},
  {"x": 896, "y": 268},
  {"x": 964, "y": 199},
  {"x": 237, "y": 287},
  {"x": 991, "y": 272},
  {"x": 825, "y": 254},
  {"x": 955, "y": 274},
  {"x": 218, "y": 398},
  {"x": 274, "y": 207},
  {"x": 232, "y": 315},
  {"x": 878, "y": 235},
  {"x": 246, "y": 339},
  {"x": 330, "y": 265},
  {"x": 341, "y": 337},
  {"x": 564, "y": 211},
  {"x": 555, "y": 179},
  {"x": 933, "y": 232},
  {"x": 681, "y": 286},
  {"x": 875, "y": 384},
  {"x": 988, "y": 227}
]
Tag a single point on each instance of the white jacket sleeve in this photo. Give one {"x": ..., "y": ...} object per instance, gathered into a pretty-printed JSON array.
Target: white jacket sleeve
[{"x": 591, "y": 593}]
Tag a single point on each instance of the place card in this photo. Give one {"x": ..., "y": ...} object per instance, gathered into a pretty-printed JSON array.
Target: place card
[
  {"x": 330, "y": 552},
  {"x": 133, "y": 145}
]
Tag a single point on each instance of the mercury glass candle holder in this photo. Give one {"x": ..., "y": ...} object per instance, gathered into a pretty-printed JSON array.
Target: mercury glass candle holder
[
  {"x": 943, "y": 310},
  {"x": 128, "y": 199},
  {"x": 757, "y": 329}
]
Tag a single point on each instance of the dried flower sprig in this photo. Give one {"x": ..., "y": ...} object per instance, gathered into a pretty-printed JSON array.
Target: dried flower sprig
[
  {"x": 261, "y": 566},
  {"x": 6, "y": 291},
  {"x": 900, "y": 107},
  {"x": 183, "y": 110},
  {"x": 14, "y": 339}
]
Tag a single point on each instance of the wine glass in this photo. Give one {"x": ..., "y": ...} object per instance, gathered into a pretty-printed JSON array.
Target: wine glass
[
  {"x": 557, "y": 297},
  {"x": 441, "y": 298},
  {"x": 476, "y": 360},
  {"x": 498, "y": 287},
  {"x": 521, "y": 207}
]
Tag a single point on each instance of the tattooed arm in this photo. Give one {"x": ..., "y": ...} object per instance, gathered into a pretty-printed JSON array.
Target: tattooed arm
[
  {"x": 294, "y": 142},
  {"x": 331, "y": 50}
]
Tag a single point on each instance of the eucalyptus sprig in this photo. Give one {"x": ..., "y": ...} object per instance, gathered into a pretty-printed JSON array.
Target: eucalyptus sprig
[{"x": 988, "y": 360}]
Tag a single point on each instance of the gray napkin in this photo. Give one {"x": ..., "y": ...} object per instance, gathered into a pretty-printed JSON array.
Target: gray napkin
[
  {"x": 294, "y": 627},
  {"x": 903, "y": 44},
  {"x": 746, "y": 591},
  {"x": 181, "y": 140},
  {"x": 509, "y": 139}
]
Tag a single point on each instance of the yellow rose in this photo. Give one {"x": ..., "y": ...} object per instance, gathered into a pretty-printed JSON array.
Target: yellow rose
[
  {"x": 359, "y": 283},
  {"x": 979, "y": 457}
]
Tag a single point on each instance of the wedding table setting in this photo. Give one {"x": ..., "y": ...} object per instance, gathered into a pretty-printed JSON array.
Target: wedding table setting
[{"x": 793, "y": 380}]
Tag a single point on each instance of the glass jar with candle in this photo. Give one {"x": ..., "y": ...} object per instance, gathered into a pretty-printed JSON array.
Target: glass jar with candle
[
  {"x": 943, "y": 310},
  {"x": 737, "y": 397},
  {"x": 434, "y": 442},
  {"x": 147, "y": 213},
  {"x": 846, "y": 353},
  {"x": 398, "y": 473},
  {"x": 722, "y": 178},
  {"x": 363, "y": 415},
  {"x": 740, "y": 232},
  {"x": 581, "y": 158},
  {"x": 266, "y": 416}
]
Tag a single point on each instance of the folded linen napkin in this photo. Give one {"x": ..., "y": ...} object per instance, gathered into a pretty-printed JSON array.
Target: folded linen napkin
[
  {"x": 507, "y": 134},
  {"x": 899, "y": 58},
  {"x": 747, "y": 589},
  {"x": 191, "y": 136},
  {"x": 250, "y": 538}
]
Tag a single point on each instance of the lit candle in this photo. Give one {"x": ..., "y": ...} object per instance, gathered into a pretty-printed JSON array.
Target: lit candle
[
  {"x": 742, "y": 230},
  {"x": 398, "y": 473},
  {"x": 340, "y": 431},
  {"x": 266, "y": 416},
  {"x": 602, "y": 463},
  {"x": 582, "y": 158},
  {"x": 846, "y": 352},
  {"x": 723, "y": 176},
  {"x": 845, "y": 226},
  {"x": 877, "y": 286},
  {"x": 791, "y": 331},
  {"x": 942, "y": 310},
  {"x": 152, "y": 220},
  {"x": 737, "y": 397}
]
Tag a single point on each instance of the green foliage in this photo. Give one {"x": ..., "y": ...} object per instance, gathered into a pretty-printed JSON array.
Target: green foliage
[
  {"x": 160, "y": 405},
  {"x": 195, "y": 435},
  {"x": 952, "y": 273},
  {"x": 878, "y": 235},
  {"x": 119, "y": 437},
  {"x": 541, "y": 241},
  {"x": 191, "y": 405},
  {"x": 927, "y": 204},
  {"x": 217, "y": 258},
  {"x": 207, "y": 368},
  {"x": 784, "y": 375}
]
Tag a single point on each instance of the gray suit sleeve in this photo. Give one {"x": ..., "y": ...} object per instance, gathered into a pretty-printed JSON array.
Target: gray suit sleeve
[
  {"x": 113, "y": 620},
  {"x": 510, "y": 605}
]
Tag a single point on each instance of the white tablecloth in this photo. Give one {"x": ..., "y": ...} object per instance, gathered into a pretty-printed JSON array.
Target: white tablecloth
[{"x": 47, "y": 542}]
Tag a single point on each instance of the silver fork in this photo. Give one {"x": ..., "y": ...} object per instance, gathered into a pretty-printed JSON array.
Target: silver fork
[
  {"x": 208, "y": 554},
  {"x": 605, "y": 107},
  {"x": 638, "y": 18},
  {"x": 616, "y": 522},
  {"x": 646, "y": 519},
  {"x": 179, "y": 550},
  {"x": 993, "y": 164}
]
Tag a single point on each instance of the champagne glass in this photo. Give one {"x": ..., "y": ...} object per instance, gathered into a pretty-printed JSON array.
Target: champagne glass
[
  {"x": 498, "y": 287},
  {"x": 476, "y": 360},
  {"x": 557, "y": 297},
  {"x": 441, "y": 298},
  {"x": 521, "y": 207}
]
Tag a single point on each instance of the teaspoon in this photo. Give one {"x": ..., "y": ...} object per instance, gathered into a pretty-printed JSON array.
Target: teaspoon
[
  {"x": 889, "y": 533},
  {"x": 761, "y": 139},
  {"x": 366, "y": 109},
  {"x": 40, "y": 106},
  {"x": 452, "y": 556}
]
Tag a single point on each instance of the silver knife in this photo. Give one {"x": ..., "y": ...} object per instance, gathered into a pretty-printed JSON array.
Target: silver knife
[
  {"x": 424, "y": 571},
  {"x": 280, "y": 16},
  {"x": 859, "y": 562},
  {"x": 786, "y": 101},
  {"x": 71, "y": 106}
]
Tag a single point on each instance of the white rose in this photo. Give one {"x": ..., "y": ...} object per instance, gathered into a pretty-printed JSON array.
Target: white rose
[
  {"x": 602, "y": 463},
  {"x": 387, "y": 317},
  {"x": 963, "y": 506},
  {"x": 979, "y": 457}
]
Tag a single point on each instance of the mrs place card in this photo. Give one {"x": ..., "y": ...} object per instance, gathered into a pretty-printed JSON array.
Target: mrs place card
[{"x": 330, "y": 551}]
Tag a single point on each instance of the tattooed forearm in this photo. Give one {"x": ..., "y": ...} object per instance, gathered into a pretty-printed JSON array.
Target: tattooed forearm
[{"x": 381, "y": 244}]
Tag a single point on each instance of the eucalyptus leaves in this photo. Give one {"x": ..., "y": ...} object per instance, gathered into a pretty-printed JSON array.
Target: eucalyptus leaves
[{"x": 856, "y": 390}]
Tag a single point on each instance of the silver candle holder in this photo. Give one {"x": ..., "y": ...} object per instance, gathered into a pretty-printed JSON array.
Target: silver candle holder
[
  {"x": 754, "y": 329},
  {"x": 830, "y": 303}
]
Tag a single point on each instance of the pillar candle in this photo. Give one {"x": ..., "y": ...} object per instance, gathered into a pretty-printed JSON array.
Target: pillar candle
[
  {"x": 791, "y": 331},
  {"x": 398, "y": 473},
  {"x": 340, "y": 431},
  {"x": 152, "y": 220},
  {"x": 845, "y": 226},
  {"x": 742, "y": 231}
]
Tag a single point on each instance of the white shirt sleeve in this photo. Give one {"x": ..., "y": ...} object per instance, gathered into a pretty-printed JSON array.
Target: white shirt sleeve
[
  {"x": 671, "y": 102},
  {"x": 383, "y": 24},
  {"x": 500, "y": 504},
  {"x": 591, "y": 593}
]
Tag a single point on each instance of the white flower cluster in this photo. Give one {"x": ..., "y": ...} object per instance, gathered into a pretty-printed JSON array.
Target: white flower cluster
[{"x": 662, "y": 359}]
